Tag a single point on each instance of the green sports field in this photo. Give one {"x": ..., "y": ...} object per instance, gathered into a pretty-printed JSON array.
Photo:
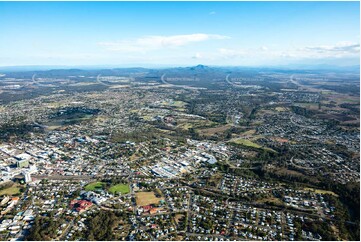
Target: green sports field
[
  {"x": 94, "y": 186},
  {"x": 123, "y": 188}
]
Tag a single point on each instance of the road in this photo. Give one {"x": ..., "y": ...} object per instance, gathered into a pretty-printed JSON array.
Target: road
[
  {"x": 235, "y": 85},
  {"x": 302, "y": 126},
  {"x": 59, "y": 177},
  {"x": 66, "y": 231},
  {"x": 301, "y": 167}
]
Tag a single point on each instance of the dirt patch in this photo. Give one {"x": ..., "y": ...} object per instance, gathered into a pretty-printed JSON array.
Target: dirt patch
[
  {"x": 281, "y": 140},
  {"x": 178, "y": 217},
  {"x": 146, "y": 198}
]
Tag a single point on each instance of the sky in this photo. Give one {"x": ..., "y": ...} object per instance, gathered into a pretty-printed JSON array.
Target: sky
[{"x": 179, "y": 33}]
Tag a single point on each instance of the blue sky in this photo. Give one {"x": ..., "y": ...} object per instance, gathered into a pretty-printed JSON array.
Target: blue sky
[{"x": 179, "y": 33}]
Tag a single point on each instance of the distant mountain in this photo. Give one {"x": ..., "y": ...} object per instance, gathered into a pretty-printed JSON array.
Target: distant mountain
[
  {"x": 199, "y": 67},
  {"x": 114, "y": 70},
  {"x": 31, "y": 68}
]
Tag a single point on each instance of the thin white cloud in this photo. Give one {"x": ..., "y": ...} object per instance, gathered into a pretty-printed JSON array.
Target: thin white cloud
[
  {"x": 197, "y": 56},
  {"x": 157, "y": 42},
  {"x": 264, "y": 48},
  {"x": 212, "y": 13},
  {"x": 339, "y": 50}
]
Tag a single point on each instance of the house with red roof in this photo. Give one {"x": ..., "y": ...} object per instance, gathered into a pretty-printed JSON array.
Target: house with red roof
[{"x": 80, "y": 205}]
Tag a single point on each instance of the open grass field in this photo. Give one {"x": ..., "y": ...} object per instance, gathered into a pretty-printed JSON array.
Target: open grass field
[
  {"x": 263, "y": 112},
  {"x": 178, "y": 104},
  {"x": 101, "y": 118},
  {"x": 94, "y": 186},
  {"x": 320, "y": 191},
  {"x": 281, "y": 109},
  {"x": 248, "y": 132},
  {"x": 146, "y": 198},
  {"x": 10, "y": 191},
  {"x": 174, "y": 104},
  {"x": 249, "y": 143},
  {"x": 123, "y": 188},
  {"x": 135, "y": 156},
  {"x": 212, "y": 131},
  {"x": 147, "y": 117},
  {"x": 246, "y": 142},
  {"x": 186, "y": 123},
  {"x": 327, "y": 92},
  {"x": 343, "y": 98},
  {"x": 313, "y": 106},
  {"x": 185, "y": 126},
  {"x": 273, "y": 200}
]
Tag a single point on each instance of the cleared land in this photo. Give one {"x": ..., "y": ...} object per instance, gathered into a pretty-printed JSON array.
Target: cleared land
[
  {"x": 280, "y": 109},
  {"x": 135, "y": 156},
  {"x": 273, "y": 200},
  {"x": 178, "y": 217},
  {"x": 248, "y": 132},
  {"x": 313, "y": 106},
  {"x": 248, "y": 143},
  {"x": 178, "y": 104},
  {"x": 215, "y": 130},
  {"x": 320, "y": 191},
  {"x": 187, "y": 123},
  {"x": 146, "y": 198},
  {"x": 342, "y": 98},
  {"x": 123, "y": 188},
  {"x": 10, "y": 191},
  {"x": 281, "y": 140},
  {"x": 94, "y": 186}
]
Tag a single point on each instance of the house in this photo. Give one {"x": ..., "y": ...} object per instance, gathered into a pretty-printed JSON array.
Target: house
[
  {"x": 153, "y": 211},
  {"x": 5, "y": 200},
  {"x": 147, "y": 208},
  {"x": 80, "y": 205}
]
